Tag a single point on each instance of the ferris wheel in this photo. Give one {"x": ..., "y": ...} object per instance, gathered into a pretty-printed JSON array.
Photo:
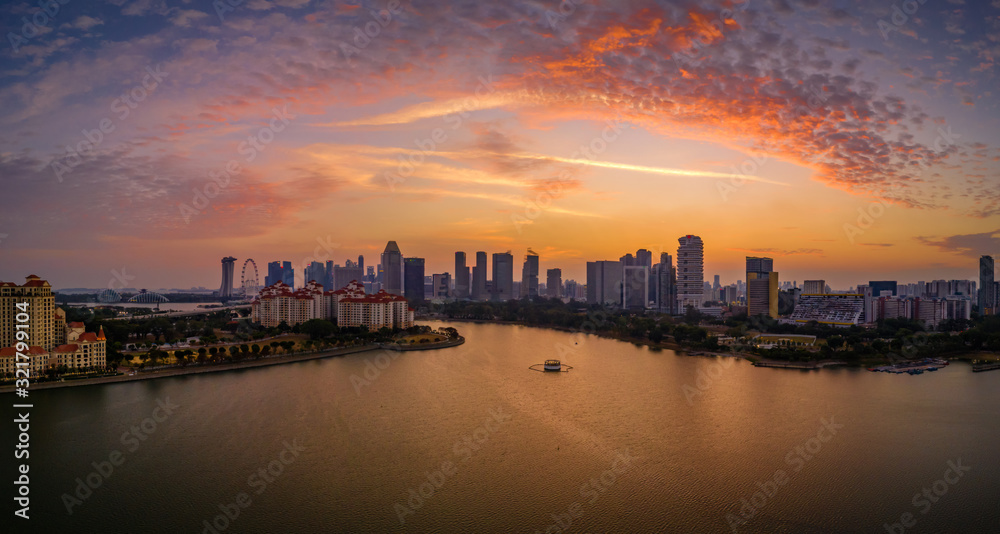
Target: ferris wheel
[{"x": 248, "y": 279}]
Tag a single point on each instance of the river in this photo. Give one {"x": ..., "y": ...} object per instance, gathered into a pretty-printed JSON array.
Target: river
[{"x": 468, "y": 439}]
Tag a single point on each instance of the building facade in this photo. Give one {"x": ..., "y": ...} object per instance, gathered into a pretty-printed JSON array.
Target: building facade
[
  {"x": 479, "y": 278},
  {"x": 503, "y": 276},
  {"x": 50, "y": 340},
  {"x": 413, "y": 280},
  {"x": 553, "y": 283},
  {"x": 392, "y": 269},
  {"x": 529, "y": 275},
  {"x": 987, "y": 293},
  {"x": 690, "y": 272}
]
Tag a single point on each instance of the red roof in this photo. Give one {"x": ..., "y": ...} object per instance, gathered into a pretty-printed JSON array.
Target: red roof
[
  {"x": 72, "y": 347},
  {"x": 35, "y": 283},
  {"x": 10, "y": 351},
  {"x": 88, "y": 336}
]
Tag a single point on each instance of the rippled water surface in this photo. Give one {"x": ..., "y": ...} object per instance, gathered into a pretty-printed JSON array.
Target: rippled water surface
[{"x": 469, "y": 439}]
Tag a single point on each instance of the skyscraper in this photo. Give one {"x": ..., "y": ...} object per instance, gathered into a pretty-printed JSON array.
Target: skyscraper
[
  {"x": 315, "y": 272},
  {"x": 762, "y": 287},
  {"x": 690, "y": 272},
  {"x": 413, "y": 274},
  {"x": 288, "y": 274},
  {"x": 553, "y": 283},
  {"x": 635, "y": 287},
  {"x": 342, "y": 276},
  {"x": 392, "y": 269},
  {"x": 503, "y": 276},
  {"x": 226, "y": 289},
  {"x": 461, "y": 276},
  {"x": 665, "y": 282},
  {"x": 479, "y": 278},
  {"x": 604, "y": 282},
  {"x": 529, "y": 275},
  {"x": 987, "y": 293}
]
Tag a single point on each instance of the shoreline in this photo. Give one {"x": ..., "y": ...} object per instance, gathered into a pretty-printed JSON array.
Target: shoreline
[
  {"x": 217, "y": 368},
  {"x": 757, "y": 361}
]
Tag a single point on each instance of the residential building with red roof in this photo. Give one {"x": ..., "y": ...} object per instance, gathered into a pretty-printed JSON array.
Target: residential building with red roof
[{"x": 52, "y": 342}]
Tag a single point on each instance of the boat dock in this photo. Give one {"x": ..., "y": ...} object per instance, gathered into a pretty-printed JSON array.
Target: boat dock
[{"x": 979, "y": 367}]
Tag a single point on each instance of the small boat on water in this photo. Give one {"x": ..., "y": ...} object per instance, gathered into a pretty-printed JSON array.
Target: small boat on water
[{"x": 552, "y": 365}]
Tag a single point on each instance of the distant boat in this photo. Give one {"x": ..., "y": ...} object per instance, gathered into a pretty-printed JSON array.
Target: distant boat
[{"x": 552, "y": 365}]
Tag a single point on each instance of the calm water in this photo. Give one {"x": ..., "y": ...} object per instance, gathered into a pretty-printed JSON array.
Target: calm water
[{"x": 630, "y": 440}]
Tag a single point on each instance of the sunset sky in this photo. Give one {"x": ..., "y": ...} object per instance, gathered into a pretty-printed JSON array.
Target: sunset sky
[{"x": 765, "y": 127}]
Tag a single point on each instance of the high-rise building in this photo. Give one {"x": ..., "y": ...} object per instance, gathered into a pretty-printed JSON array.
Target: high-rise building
[
  {"x": 226, "y": 289},
  {"x": 273, "y": 273},
  {"x": 342, "y": 276},
  {"x": 413, "y": 275},
  {"x": 461, "y": 276},
  {"x": 604, "y": 282},
  {"x": 441, "y": 286},
  {"x": 814, "y": 287},
  {"x": 883, "y": 285},
  {"x": 503, "y": 276},
  {"x": 987, "y": 293},
  {"x": 315, "y": 272},
  {"x": 287, "y": 274},
  {"x": 392, "y": 269},
  {"x": 665, "y": 282},
  {"x": 529, "y": 275},
  {"x": 635, "y": 287},
  {"x": 690, "y": 272},
  {"x": 553, "y": 283},
  {"x": 572, "y": 290},
  {"x": 479, "y": 278},
  {"x": 762, "y": 287},
  {"x": 51, "y": 340},
  {"x": 870, "y": 304}
]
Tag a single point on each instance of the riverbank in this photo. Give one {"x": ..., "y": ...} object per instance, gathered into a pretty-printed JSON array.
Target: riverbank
[
  {"x": 756, "y": 360},
  {"x": 195, "y": 369}
]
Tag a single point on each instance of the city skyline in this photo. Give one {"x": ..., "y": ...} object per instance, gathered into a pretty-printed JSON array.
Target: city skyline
[
  {"x": 860, "y": 150},
  {"x": 121, "y": 279}
]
